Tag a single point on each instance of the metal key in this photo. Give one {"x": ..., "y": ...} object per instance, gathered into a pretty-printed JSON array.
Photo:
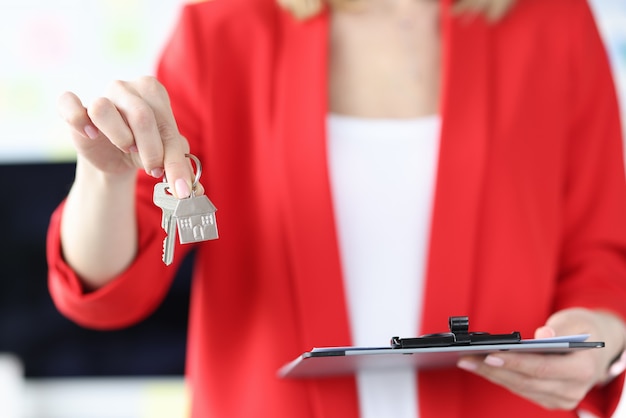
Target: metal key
[
  {"x": 166, "y": 201},
  {"x": 193, "y": 217},
  {"x": 168, "y": 204}
]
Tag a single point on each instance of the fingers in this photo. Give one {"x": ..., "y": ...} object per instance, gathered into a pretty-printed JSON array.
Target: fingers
[
  {"x": 553, "y": 381},
  {"x": 176, "y": 166},
  {"x": 601, "y": 326},
  {"x": 549, "y": 393},
  {"x": 136, "y": 118},
  {"x": 152, "y": 131},
  {"x": 107, "y": 117},
  {"x": 533, "y": 366},
  {"x": 129, "y": 117},
  {"x": 74, "y": 113},
  {"x": 493, "y": 10}
]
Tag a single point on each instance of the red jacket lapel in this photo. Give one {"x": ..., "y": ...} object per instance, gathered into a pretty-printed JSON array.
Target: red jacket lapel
[
  {"x": 463, "y": 153},
  {"x": 456, "y": 223},
  {"x": 311, "y": 240},
  {"x": 301, "y": 131}
]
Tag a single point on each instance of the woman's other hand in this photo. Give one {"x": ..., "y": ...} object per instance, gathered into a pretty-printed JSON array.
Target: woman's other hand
[{"x": 557, "y": 381}]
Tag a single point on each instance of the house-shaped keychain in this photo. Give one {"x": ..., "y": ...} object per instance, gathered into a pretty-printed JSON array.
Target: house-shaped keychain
[{"x": 195, "y": 219}]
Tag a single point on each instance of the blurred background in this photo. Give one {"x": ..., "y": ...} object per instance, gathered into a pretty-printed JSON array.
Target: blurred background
[{"x": 50, "y": 367}]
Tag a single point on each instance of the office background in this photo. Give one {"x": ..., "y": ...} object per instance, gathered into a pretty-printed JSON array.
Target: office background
[{"x": 46, "y": 47}]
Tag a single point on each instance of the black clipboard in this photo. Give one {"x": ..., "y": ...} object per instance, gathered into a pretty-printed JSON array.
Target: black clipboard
[{"x": 426, "y": 352}]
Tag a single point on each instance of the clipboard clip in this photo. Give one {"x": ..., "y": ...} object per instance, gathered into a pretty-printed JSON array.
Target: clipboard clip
[{"x": 459, "y": 335}]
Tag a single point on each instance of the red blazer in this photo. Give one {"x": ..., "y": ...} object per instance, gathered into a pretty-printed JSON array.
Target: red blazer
[{"x": 529, "y": 216}]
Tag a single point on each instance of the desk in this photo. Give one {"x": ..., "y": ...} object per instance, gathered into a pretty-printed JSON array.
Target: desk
[
  {"x": 105, "y": 398},
  {"x": 117, "y": 398}
]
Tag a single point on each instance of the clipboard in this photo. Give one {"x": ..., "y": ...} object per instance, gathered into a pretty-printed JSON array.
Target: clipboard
[{"x": 427, "y": 352}]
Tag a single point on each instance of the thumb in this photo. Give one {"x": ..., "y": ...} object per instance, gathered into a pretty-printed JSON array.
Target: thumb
[
  {"x": 567, "y": 322},
  {"x": 545, "y": 332}
]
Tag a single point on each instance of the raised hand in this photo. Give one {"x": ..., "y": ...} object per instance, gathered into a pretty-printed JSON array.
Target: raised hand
[{"x": 131, "y": 127}]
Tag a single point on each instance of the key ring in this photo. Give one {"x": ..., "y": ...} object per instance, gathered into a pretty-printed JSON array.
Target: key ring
[
  {"x": 196, "y": 161},
  {"x": 198, "y": 165}
]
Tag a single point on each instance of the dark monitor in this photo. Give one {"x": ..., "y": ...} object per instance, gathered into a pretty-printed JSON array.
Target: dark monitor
[{"x": 47, "y": 343}]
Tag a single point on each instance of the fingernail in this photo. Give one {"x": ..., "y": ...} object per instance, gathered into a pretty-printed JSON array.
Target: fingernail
[
  {"x": 618, "y": 366},
  {"x": 494, "y": 361},
  {"x": 467, "y": 365},
  {"x": 182, "y": 188},
  {"x": 157, "y": 173},
  {"x": 91, "y": 131}
]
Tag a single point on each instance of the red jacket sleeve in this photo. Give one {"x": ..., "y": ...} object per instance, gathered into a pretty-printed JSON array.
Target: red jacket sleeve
[
  {"x": 594, "y": 251},
  {"x": 129, "y": 298},
  {"x": 138, "y": 291}
]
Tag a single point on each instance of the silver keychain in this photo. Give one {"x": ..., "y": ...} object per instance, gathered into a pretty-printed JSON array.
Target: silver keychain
[{"x": 193, "y": 217}]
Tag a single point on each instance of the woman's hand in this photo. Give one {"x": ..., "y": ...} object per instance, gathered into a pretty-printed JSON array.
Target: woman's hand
[
  {"x": 131, "y": 127},
  {"x": 557, "y": 381}
]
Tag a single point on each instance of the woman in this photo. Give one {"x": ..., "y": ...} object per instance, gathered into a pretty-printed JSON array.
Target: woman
[{"x": 378, "y": 166}]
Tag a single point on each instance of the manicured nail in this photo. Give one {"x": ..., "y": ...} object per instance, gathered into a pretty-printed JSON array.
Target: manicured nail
[
  {"x": 182, "y": 189},
  {"x": 494, "y": 361},
  {"x": 467, "y": 365},
  {"x": 618, "y": 366},
  {"x": 91, "y": 131},
  {"x": 157, "y": 173}
]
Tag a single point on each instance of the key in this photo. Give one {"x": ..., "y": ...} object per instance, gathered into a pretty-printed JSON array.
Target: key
[
  {"x": 193, "y": 217},
  {"x": 166, "y": 201},
  {"x": 168, "y": 204}
]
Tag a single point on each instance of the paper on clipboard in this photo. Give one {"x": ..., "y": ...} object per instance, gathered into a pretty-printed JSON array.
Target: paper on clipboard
[{"x": 337, "y": 361}]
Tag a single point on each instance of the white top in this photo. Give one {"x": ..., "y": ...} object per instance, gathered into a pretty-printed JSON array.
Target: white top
[{"x": 382, "y": 174}]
